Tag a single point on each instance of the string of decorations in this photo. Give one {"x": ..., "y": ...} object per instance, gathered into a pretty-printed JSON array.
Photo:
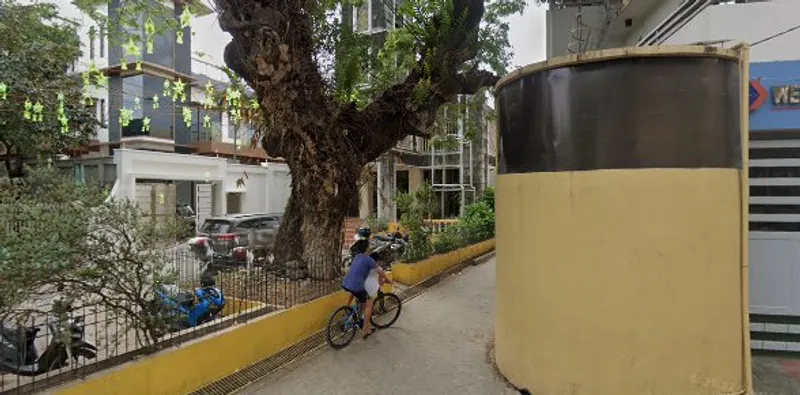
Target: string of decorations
[{"x": 172, "y": 89}]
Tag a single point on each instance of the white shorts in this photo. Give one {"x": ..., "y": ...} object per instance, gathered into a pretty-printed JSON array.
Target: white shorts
[{"x": 371, "y": 284}]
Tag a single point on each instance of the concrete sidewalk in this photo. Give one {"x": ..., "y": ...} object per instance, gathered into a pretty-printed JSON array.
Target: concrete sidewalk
[{"x": 438, "y": 346}]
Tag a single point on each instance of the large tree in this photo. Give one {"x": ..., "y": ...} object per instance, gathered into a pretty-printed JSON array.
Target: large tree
[
  {"x": 42, "y": 111},
  {"x": 312, "y": 115},
  {"x": 330, "y": 99}
]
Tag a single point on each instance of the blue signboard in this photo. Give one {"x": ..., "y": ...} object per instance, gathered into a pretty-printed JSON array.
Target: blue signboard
[{"x": 774, "y": 96}]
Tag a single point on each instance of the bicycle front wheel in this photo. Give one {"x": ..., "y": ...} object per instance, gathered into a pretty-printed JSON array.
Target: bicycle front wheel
[
  {"x": 386, "y": 310},
  {"x": 341, "y": 327}
]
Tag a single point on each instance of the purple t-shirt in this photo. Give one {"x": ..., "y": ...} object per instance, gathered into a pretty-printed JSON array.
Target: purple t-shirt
[{"x": 358, "y": 273}]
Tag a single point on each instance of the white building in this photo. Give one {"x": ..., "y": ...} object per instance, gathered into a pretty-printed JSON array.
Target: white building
[
  {"x": 773, "y": 29},
  {"x": 156, "y": 152}
]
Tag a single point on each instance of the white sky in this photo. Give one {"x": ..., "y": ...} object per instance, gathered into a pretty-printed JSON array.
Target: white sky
[{"x": 527, "y": 36}]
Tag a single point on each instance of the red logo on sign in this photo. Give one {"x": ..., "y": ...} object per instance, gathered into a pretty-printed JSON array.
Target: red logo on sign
[{"x": 758, "y": 95}]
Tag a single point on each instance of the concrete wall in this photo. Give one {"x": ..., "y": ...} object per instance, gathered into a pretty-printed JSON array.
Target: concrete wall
[
  {"x": 561, "y": 22},
  {"x": 748, "y": 22}
]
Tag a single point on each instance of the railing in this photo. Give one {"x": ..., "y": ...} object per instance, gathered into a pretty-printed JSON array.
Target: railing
[
  {"x": 250, "y": 290},
  {"x": 439, "y": 225}
]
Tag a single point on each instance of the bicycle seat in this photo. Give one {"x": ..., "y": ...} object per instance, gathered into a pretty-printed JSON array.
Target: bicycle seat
[{"x": 184, "y": 299}]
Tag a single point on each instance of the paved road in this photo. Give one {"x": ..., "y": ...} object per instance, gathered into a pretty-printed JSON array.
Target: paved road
[{"x": 438, "y": 346}]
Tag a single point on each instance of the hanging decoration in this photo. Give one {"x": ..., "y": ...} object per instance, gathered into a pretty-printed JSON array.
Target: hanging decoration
[
  {"x": 149, "y": 32},
  {"x": 37, "y": 112},
  {"x": 156, "y": 103},
  {"x": 28, "y": 107},
  {"x": 207, "y": 121},
  {"x": 131, "y": 49},
  {"x": 139, "y": 65},
  {"x": 179, "y": 91},
  {"x": 186, "y": 22},
  {"x": 87, "y": 88},
  {"x": 208, "y": 102},
  {"x": 234, "y": 102},
  {"x": 167, "y": 89},
  {"x": 146, "y": 124},
  {"x": 3, "y": 91},
  {"x": 101, "y": 80},
  {"x": 137, "y": 104},
  {"x": 62, "y": 114},
  {"x": 254, "y": 104},
  {"x": 125, "y": 116},
  {"x": 187, "y": 116}
]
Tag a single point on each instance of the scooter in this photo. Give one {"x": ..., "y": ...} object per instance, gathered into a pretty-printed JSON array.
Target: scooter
[
  {"x": 384, "y": 249},
  {"x": 185, "y": 309},
  {"x": 189, "y": 309},
  {"x": 19, "y": 354}
]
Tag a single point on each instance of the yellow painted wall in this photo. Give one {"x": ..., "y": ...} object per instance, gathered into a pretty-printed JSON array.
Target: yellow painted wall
[
  {"x": 413, "y": 273},
  {"x": 621, "y": 282},
  {"x": 190, "y": 367}
]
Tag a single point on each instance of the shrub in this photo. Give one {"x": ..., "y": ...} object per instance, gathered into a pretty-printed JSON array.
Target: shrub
[
  {"x": 452, "y": 238},
  {"x": 478, "y": 223}
]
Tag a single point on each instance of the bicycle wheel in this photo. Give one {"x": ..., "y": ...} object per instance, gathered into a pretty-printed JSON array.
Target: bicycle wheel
[
  {"x": 341, "y": 327},
  {"x": 386, "y": 310}
]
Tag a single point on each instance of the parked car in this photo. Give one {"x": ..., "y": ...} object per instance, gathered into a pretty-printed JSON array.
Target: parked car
[{"x": 232, "y": 231}]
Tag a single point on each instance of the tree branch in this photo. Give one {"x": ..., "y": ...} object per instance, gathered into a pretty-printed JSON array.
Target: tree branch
[{"x": 408, "y": 108}]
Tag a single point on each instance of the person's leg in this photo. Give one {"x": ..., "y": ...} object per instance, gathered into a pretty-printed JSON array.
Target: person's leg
[{"x": 367, "y": 329}]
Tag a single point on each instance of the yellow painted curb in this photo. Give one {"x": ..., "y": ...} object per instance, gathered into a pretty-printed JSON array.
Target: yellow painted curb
[
  {"x": 413, "y": 273},
  {"x": 194, "y": 365}
]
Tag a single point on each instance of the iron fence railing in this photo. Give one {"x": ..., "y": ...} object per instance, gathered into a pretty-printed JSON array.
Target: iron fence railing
[{"x": 249, "y": 290}]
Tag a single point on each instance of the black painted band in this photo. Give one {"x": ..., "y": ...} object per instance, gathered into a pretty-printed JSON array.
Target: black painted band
[{"x": 626, "y": 113}]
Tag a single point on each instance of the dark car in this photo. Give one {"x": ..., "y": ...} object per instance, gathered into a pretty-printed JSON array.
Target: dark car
[{"x": 229, "y": 232}]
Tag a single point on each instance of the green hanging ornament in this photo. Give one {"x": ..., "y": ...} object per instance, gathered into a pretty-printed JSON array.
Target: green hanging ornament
[
  {"x": 132, "y": 49},
  {"x": 92, "y": 68},
  {"x": 187, "y": 116},
  {"x": 156, "y": 103},
  {"x": 207, "y": 121},
  {"x": 166, "y": 88},
  {"x": 125, "y": 116},
  {"x": 138, "y": 65},
  {"x": 37, "y": 112},
  {"x": 179, "y": 91},
  {"x": 124, "y": 66},
  {"x": 254, "y": 104},
  {"x": 3, "y": 91},
  {"x": 179, "y": 37},
  {"x": 208, "y": 102},
  {"x": 146, "y": 124},
  {"x": 186, "y": 22},
  {"x": 101, "y": 80},
  {"x": 149, "y": 31},
  {"x": 27, "y": 112},
  {"x": 137, "y": 104}
]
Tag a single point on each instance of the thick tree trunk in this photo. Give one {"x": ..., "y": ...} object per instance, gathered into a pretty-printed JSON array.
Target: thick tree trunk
[{"x": 311, "y": 232}]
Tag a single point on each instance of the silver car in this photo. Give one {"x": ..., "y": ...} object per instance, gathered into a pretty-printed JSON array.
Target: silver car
[{"x": 229, "y": 232}]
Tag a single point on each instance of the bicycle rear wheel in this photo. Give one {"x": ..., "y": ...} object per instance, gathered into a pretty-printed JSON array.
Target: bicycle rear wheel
[
  {"x": 341, "y": 327},
  {"x": 386, "y": 310}
]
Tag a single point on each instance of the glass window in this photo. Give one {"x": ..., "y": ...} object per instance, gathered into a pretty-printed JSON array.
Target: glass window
[
  {"x": 362, "y": 21},
  {"x": 163, "y": 118},
  {"x": 378, "y": 14},
  {"x": 133, "y": 88}
]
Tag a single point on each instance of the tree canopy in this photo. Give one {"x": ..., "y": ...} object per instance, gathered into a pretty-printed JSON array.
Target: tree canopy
[{"x": 42, "y": 110}]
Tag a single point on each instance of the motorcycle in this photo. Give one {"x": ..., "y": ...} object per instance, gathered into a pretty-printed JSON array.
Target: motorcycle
[
  {"x": 20, "y": 356},
  {"x": 189, "y": 309},
  {"x": 383, "y": 249},
  {"x": 184, "y": 310}
]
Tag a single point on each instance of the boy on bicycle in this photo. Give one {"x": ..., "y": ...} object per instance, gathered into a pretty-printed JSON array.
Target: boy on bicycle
[{"x": 354, "y": 282}]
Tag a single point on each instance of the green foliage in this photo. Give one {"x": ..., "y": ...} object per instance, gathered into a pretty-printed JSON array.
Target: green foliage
[
  {"x": 61, "y": 242},
  {"x": 476, "y": 225},
  {"x": 416, "y": 208},
  {"x": 38, "y": 47},
  {"x": 377, "y": 224},
  {"x": 488, "y": 197}
]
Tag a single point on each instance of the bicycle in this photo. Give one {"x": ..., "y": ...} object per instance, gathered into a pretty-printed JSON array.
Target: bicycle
[{"x": 351, "y": 319}]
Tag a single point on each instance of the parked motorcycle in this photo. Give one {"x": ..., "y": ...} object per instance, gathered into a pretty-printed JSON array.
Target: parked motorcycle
[
  {"x": 384, "y": 249},
  {"x": 186, "y": 309},
  {"x": 183, "y": 310},
  {"x": 20, "y": 356}
]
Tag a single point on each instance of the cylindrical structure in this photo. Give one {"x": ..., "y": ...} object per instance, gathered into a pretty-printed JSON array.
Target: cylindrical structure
[{"x": 621, "y": 210}]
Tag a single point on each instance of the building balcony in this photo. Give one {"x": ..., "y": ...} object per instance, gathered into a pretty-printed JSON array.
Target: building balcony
[{"x": 246, "y": 153}]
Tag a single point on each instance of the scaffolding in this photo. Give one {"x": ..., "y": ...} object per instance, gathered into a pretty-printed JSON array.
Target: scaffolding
[{"x": 439, "y": 162}]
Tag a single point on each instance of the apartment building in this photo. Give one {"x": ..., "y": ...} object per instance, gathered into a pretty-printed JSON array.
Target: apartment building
[
  {"x": 156, "y": 149},
  {"x": 458, "y": 172},
  {"x": 772, "y": 29}
]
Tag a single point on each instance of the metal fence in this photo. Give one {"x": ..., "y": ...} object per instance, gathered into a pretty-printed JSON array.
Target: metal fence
[{"x": 249, "y": 291}]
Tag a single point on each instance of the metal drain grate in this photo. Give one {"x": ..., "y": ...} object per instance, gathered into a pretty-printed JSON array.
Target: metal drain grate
[{"x": 261, "y": 369}]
